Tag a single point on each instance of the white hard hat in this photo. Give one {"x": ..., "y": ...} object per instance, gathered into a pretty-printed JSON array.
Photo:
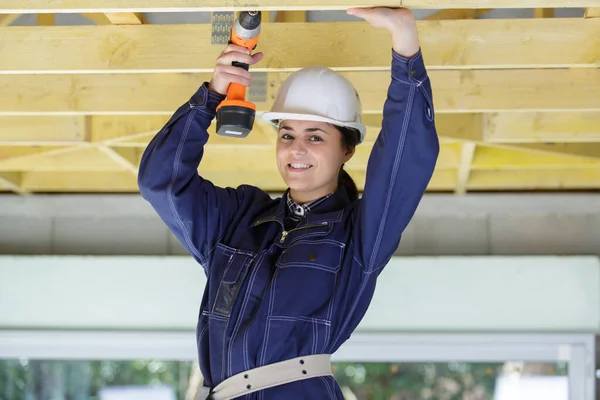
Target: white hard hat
[{"x": 318, "y": 94}]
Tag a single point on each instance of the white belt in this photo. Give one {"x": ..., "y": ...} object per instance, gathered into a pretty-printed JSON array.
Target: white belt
[{"x": 253, "y": 380}]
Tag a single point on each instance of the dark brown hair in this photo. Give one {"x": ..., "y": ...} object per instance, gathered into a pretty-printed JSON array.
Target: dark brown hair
[{"x": 350, "y": 138}]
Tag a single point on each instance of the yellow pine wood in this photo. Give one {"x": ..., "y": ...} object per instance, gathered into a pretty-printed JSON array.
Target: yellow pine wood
[
  {"x": 464, "y": 169},
  {"x": 7, "y": 19},
  {"x": 45, "y": 19},
  {"x": 583, "y": 151},
  {"x": 488, "y": 157},
  {"x": 543, "y": 13},
  {"x": 17, "y": 152},
  {"x": 464, "y": 13},
  {"x": 98, "y": 18},
  {"x": 126, "y": 18},
  {"x": 42, "y": 130},
  {"x": 559, "y": 179},
  {"x": 542, "y": 127},
  {"x": 290, "y": 16},
  {"x": 77, "y": 6},
  {"x": 11, "y": 181},
  {"x": 592, "y": 13},
  {"x": 454, "y": 91},
  {"x": 70, "y": 181},
  {"x": 70, "y": 159},
  {"x": 489, "y": 43},
  {"x": 125, "y": 158}
]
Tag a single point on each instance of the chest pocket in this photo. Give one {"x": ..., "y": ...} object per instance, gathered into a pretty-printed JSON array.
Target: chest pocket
[
  {"x": 305, "y": 279},
  {"x": 229, "y": 267}
]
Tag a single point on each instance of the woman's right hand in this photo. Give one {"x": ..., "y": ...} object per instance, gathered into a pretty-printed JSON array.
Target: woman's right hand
[{"x": 225, "y": 73}]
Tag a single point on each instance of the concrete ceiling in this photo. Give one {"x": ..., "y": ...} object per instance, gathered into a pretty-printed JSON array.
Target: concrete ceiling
[{"x": 516, "y": 90}]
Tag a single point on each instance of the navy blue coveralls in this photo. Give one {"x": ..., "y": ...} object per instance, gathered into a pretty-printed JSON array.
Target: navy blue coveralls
[{"x": 272, "y": 295}]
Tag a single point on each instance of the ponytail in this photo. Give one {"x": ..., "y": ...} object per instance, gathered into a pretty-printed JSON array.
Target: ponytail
[{"x": 345, "y": 180}]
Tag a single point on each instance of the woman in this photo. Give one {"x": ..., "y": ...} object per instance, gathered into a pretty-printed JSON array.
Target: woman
[{"x": 292, "y": 277}]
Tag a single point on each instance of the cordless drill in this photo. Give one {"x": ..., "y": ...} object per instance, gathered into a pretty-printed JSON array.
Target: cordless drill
[{"x": 235, "y": 115}]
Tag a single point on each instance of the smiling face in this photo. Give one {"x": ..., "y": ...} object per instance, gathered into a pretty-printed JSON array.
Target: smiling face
[{"x": 309, "y": 157}]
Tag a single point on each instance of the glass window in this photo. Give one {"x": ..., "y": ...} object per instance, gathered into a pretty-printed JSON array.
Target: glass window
[
  {"x": 453, "y": 381},
  {"x": 25, "y": 379}
]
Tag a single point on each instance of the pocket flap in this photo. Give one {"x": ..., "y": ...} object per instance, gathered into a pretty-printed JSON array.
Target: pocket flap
[{"x": 324, "y": 255}]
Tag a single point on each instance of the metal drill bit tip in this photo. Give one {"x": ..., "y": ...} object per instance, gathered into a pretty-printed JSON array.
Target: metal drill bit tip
[{"x": 253, "y": 13}]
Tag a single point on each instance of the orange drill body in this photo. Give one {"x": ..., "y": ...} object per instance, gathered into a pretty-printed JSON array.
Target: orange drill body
[{"x": 235, "y": 115}]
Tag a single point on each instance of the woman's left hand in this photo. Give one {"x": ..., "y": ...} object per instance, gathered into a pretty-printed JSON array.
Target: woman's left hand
[{"x": 400, "y": 22}]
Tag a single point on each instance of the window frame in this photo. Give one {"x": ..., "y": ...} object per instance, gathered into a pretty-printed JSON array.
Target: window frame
[{"x": 578, "y": 350}]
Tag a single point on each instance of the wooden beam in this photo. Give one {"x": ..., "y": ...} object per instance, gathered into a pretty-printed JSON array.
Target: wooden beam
[
  {"x": 464, "y": 169},
  {"x": 455, "y": 91},
  {"x": 460, "y": 13},
  {"x": 542, "y": 127},
  {"x": 290, "y": 16},
  {"x": 128, "y": 18},
  {"x": 86, "y": 158},
  {"x": 592, "y": 13},
  {"x": 42, "y": 130},
  {"x": 496, "y": 158},
  {"x": 45, "y": 19},
  {"x": 126, "y": 158},
  {"x": 561, "y": 179},
  {"x": 543, "y": 13},
  {"x": 80, "y": 6},
  {"x": 12, "y": 181},
  {"x": 7, "y": 19},
  {"x": 456, "y": 44},
  {"x": 98, "y": 18}
]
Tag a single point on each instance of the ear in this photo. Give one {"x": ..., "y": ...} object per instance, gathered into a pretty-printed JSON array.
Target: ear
[{"x": 350, "y": 150}]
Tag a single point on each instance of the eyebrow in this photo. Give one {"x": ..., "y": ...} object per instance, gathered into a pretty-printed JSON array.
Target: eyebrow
[{"x": 309, "y": 130}]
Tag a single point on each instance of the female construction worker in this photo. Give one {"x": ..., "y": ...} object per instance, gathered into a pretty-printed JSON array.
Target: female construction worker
[{"x": 289, "y": 279}]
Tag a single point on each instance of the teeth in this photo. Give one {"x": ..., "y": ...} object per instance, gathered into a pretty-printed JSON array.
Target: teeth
[{"x": 300, "y": 165}]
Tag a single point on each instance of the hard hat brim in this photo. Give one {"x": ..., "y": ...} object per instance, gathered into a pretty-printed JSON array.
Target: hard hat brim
[{"x": 274, "y": 117}]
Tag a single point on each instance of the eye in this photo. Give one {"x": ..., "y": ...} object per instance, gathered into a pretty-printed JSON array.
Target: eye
[
  {"x": 316, "y": 138},
  {"x": 286, "y": 136}
]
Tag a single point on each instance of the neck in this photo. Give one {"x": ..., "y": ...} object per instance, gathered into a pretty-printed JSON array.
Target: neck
[{"x": 302, "y": 197}]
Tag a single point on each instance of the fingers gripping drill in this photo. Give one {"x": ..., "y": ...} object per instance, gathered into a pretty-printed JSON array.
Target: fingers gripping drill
[{"x": 235, "y": 115}]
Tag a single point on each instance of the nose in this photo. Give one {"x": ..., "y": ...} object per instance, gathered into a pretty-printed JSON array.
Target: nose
[{"x": 298, "y": 147}]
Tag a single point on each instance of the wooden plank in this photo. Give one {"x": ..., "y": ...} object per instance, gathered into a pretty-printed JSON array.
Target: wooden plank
[
  {"x": 45, "y": 19},
  {"x": 290, "y": 16},
  {"x": 454, "y": 91},
  {"x": 543, "y": 13},
  {"x": 12, "y": 181},
  {"x": 496, "y": 158},
  {"x": 7, "y": 19},
  {"x": 126, "y": 158},
  {"x": 561, "y": 179},
  {"x": 464, "y": 169},
  {"x": 42, "y": 130},
  {"x": 80, "y": 6},
  {"x": 459, "y": 13},
  {"x": 70, "y": 159},
  {"x": 542, "y": 127},
  {"x": 128, "y": 18},
  {"x": 592, "y": 13},
  {"x": 98, "y": 18},
  {"x": 453, "y": 44},
  {"x": 590, "y": 151},
  {"x": 75, "y": 182}
]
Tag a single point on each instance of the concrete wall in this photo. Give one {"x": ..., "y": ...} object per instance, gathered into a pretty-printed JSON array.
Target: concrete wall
[{"x": 482, "y": 224}]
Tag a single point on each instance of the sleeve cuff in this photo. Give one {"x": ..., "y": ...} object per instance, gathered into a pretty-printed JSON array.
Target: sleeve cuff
[
  {"x": 206, "y": 99},
  {"x": 409, "y": 70}
]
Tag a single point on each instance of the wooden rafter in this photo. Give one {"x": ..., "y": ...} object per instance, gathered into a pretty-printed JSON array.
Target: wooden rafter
[
  {"x": 460, "y": 13},
  {"x": 592, "y": 13},
  {"x": 480, "y": 44},
  {"x": 76, "y": 6},
  {"x": 7, "y": 19},
  {"x": 464, "y": 169},
  {"x": 455, "y": 91},
  {"x": 12, "y": 181}
]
